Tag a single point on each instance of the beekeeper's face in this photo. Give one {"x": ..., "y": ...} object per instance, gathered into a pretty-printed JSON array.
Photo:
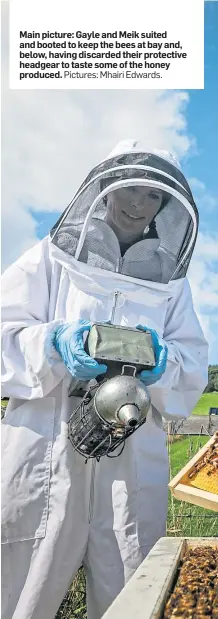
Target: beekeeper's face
[{"x": 131, "y": 209}]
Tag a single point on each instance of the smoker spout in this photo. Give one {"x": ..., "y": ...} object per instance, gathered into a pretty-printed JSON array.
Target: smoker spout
[{"x": 129, "y": 414}]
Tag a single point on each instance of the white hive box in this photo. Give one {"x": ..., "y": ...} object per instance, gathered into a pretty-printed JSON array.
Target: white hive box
[{"x": 145, "y": 595}]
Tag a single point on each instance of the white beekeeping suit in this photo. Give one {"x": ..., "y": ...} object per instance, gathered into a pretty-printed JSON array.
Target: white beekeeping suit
[{"x": 57, "y": 510}]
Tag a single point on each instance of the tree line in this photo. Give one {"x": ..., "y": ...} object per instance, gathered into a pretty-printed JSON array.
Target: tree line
[{"x": 212, "y": 379}]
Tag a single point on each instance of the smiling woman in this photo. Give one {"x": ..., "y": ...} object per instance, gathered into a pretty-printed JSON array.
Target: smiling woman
[
  {"x": 137, "y": 212},
  {"x": 131, "y": 210}
]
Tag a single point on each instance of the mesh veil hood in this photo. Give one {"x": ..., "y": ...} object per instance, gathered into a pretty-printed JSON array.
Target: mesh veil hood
[{"x": 83, "y": 232}]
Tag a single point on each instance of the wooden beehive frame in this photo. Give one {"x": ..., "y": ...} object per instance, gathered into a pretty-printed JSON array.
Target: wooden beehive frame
[
  {"x": 146, "y": 593},
  {"x": 182, "y": 491}
]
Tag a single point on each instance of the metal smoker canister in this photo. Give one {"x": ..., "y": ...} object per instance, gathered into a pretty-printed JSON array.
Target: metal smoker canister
[
  {"x": 112, "y": 410},
  {"x": 108, "y": 415}
]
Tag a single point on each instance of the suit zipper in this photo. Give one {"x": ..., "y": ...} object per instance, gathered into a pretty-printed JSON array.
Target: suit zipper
[
  {"x": 116, "y": 295},
  {"x": 91, "y": 495},
  {"x": 93, "y": 464}
]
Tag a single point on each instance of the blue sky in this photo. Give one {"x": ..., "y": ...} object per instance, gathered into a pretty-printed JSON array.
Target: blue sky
[
  {"x": 202, "y": 113},
  {"x": 202, "y": 119},
  {"x": 51, "y": 139}
]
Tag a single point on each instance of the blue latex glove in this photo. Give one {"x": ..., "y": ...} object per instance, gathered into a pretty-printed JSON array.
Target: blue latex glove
[
  {"x": 149, "y": 377},
  {"x": 68, "y": 341}
]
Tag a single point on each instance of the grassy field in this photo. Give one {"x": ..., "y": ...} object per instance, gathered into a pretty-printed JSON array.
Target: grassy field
[{"x": 206, "y": 401}]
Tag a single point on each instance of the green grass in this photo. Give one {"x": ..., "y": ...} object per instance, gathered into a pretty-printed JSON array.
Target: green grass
[
  {"x": 181, "y": 451},
  {"x": 4, "y": 402},
  {"x": 206, "y": 401},
  {"x": 184, "y": 518},
  {"x": 74, "y": 603}
]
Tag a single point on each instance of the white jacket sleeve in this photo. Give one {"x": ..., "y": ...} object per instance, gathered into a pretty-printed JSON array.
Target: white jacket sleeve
[
  {"x": 31, "y": 368},
  {"x": 186, "y": 375}
]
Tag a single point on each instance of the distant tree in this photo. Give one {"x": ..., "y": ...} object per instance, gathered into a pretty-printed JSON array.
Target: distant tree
[{"x": 212, "y": 379}]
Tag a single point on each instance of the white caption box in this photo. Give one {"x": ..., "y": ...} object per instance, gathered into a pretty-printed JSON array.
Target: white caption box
[{"x": 156, "y": 44}]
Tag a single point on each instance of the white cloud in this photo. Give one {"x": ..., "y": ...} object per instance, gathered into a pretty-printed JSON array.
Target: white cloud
[
  {"x": 203, "y": 271},
  {"x": 196, "y": 184},
  {"x": 203, "y": 277},
  {"x": 205, "y": 200},
  {"x": 207, "y": 246}
]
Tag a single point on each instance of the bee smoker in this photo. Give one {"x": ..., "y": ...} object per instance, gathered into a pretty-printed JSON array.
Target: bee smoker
[{"x": 116, "y": 405}]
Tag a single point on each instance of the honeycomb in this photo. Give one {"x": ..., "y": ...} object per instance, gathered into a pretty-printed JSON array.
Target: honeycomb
[
  {"x": 195, "y": 594},
  {"x": 206, "y": 480},
  {"x": 205, "y": 473}
]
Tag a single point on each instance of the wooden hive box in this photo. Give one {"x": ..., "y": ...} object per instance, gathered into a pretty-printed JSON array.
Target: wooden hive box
[
  {"x": 182, "y": 489},
  {"x": 146, "y": 593}
]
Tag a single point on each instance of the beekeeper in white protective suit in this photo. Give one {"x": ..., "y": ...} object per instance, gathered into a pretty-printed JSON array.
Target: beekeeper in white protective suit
[{"x": 119, "y": 252}]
